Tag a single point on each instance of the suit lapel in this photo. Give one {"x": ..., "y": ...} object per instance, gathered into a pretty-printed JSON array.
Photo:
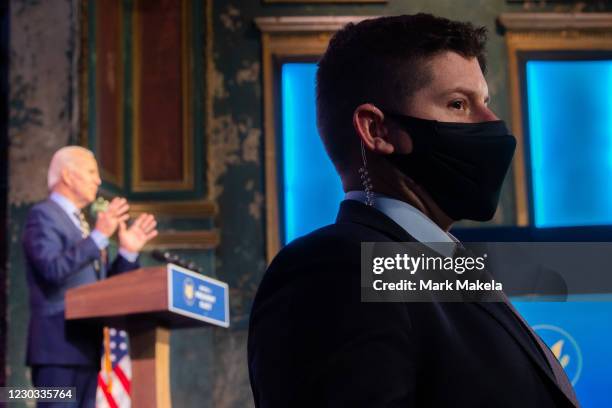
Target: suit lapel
[
  {"x": 76, "y": 235},
  {"x": 506, "y": 320},
  {"x": 559, "y": 374},
  {"x": 352, "y": 211},
  {"x": 71, "y": 228}
]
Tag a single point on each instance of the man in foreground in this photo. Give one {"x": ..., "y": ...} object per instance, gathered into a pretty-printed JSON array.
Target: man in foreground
[
  {"x": 402, "y": 111},
  {"x": 62, "y": 253}
]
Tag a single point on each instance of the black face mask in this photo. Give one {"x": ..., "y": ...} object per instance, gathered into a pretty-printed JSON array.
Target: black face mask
[{"x": 461, "y": 165}]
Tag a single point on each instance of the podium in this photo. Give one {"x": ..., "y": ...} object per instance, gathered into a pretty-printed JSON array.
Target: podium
[{"x": 148, "y": 303}]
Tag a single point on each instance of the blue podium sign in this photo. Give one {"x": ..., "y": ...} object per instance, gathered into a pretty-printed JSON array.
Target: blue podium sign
[{"x": 198, "y": 296}]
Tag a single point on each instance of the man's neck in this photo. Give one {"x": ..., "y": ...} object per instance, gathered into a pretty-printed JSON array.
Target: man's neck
[
  {"x": 403, "y": 190},
  {"x": 68, "y": 195},
  {"x": 421, "y": 200}
]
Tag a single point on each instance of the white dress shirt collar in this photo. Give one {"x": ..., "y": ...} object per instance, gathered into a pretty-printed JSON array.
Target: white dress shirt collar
[{"x": 413, "y": 221}]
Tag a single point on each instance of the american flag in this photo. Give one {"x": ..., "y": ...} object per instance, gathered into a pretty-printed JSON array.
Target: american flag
[{"x": 115, "y": 376}]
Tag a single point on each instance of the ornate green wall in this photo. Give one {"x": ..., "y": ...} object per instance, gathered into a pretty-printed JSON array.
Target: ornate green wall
[{"x": 209, "y": 365}]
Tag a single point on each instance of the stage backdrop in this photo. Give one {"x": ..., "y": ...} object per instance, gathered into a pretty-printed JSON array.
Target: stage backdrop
[{"x": 47, "y": 112}]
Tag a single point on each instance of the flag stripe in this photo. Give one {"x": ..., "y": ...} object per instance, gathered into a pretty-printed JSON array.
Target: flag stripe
[
  {"x": 109, "y": 398},
  {"x": 117, "y": 371},
  {"x": 122, "y": 377}
]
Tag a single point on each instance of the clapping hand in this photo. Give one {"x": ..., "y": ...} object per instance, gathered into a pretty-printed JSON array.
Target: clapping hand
[
  {"x": 138, "y": 234},
  {"x": 117, "y": 212}
]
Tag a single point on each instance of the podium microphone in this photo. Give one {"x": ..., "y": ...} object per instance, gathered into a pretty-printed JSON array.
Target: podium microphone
[{"x": 169, "y": 257}]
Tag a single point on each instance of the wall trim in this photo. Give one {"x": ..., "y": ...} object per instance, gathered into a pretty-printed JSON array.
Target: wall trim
[
  {"x": 289, "y": 24},
  {"x": 175, "y": 209},
  {"x": 544, "y": 32},
  {"x": 196, "y": 239},
  {"x": 555, "y": 21}
]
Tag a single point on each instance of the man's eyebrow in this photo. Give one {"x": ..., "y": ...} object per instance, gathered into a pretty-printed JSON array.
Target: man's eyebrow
[{"x": 465, "y": 91}]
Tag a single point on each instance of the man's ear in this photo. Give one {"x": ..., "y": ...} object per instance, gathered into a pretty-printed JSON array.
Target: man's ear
[
  {"x": 66, "y": 177},
  {"x": 368, "y": 122}
]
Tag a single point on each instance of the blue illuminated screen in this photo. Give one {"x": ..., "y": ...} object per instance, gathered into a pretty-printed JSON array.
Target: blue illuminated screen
[
  {"x": 311, "y": 187},
  {"x": 570, "y": 142}
]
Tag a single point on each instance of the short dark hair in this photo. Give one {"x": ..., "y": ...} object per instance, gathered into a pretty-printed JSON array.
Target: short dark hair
[{"x": 381, "y": 61}]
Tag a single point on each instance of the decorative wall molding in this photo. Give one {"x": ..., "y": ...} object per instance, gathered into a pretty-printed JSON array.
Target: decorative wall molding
[
  {"x": 286, "y": 38},
  {"x": 143, "y": 168},
  {"x": 175, "y": 209},
  {"x": 160, "y": 161},
  {"x": 544, "y": 32},
  {"x": 196, "y": 239},
  {"x": 555, "y": 21},
  {"x": 326, "y": 1},
  {"x": 307, "y": 24}
]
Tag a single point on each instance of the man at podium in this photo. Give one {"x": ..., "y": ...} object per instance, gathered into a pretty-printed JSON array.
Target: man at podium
[{"x": 62, "y": 252}]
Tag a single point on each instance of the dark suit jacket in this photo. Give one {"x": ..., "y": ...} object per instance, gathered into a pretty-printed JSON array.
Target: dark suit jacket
[
  {"x": 57, "y": 259},
  {"x": 313, "y": 343}
]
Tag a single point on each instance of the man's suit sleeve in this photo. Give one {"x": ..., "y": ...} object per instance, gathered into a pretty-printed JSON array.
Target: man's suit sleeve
[
  {"x": 120, "y": 265},
  {"x": 314, "y": 343},
  {"x": 45, "y": 250}
]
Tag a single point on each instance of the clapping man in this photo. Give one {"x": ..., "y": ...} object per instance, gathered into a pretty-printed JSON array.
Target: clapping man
[{"x": 62, "y": 252}]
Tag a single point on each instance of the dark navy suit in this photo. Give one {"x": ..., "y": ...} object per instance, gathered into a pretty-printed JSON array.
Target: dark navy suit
[
  {"x": 59, "y": 258},
  {"x": 313, "y": 343}
]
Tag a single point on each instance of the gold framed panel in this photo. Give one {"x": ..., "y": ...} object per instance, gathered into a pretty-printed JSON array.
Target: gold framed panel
[
  {"x": 193, "y": 239},
  {"x": 118, "y": 180},
  {"x": 209, "y": 97},
  {"x": 199, "y": 209},
  {"x": 544, "y": 32},
  {"x": 285, "y": 38},
  {"x": 327, "y": 1},
  {"x": 278, "y": 47},
  {"x": 83, "y": 137},
  {"x": 187, "y": 181},
  {"x": 84, "y": 95}
]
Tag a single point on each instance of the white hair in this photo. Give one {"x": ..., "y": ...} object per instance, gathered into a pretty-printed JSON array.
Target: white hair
[{"x": 64, "y": 157}]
